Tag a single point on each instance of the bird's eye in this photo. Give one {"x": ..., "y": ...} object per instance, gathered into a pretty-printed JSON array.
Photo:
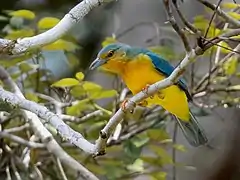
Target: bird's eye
[{"x": 110, "y": 53}]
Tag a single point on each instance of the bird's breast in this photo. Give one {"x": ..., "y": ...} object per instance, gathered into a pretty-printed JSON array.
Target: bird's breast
[{"x": 138, "y": 73}]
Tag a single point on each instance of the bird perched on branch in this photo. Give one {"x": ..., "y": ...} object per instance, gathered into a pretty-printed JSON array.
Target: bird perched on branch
[{"x": 140, "y": 68}]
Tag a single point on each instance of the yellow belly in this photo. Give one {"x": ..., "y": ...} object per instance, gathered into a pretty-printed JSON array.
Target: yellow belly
[{"x": 138, "y": 74}]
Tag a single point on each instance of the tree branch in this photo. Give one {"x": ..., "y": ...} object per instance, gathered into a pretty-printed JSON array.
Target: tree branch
[
  {"x": 221, "y": 13},
  {"x": 43, "y": 133},
  {"x": 75, "y": 15},
  {"x": 21, "y": 140},
  {"x": 175, "y": 26}
]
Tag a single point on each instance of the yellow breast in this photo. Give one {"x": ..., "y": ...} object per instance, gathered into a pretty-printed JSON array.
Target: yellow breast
[{"x": 140, "y": 72}]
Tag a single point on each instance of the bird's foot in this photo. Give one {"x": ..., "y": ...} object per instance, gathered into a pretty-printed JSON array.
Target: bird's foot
[
  {"x": 160, "y": 95},
  {"x": 124, "y": 108},
  {"x": 143, "y": 103},
  {"x": 145, "y": 90}
]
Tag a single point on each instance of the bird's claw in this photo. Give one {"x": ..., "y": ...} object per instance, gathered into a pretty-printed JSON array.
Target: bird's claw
[
  {"x": 123, "y": 106},
  {"x": 143, "y": 103},
  {"x": 145, "y": 90}
]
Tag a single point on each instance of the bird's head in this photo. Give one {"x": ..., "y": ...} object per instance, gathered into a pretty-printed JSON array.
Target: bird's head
[{"x": 111, "y": 58}]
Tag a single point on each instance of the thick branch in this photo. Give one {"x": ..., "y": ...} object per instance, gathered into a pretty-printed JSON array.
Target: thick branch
[
  {"x": 74, "y": 16},
  {"x": 43, "y": 133},
  {"x": 189, "y": 58}
]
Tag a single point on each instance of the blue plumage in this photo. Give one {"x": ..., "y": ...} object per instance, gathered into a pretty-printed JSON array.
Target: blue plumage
[
  {"x": 166, "y": 68},
  {"x": 193, "y": 132}
]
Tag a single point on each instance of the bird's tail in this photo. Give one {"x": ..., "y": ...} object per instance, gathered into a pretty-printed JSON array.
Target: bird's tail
[{"x": 192, "y": 131}]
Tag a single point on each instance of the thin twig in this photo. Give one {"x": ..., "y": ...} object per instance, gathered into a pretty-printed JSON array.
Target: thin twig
[
  {"x": 81, "y": 119},
  {"x": 214, "y": 68},
  {"x": 218, "y": 52},
  {"x": 43, "y": 133},
  {"x": 40, "y": 176},
  {"x": 174, "y": 151},
  {"x": 186, "y": 23},
  {"x": 16, "y": 173},
  {"x": 21, "y": 141},
  {"x": 59, "y": 164},
  {"x": 212, "y": 18},
  {"x": 17, "y": 129},
  {"x": 8, "y": 173},
  {"x": 175, "y": 26},
  {"x": 220, "y": 12}
]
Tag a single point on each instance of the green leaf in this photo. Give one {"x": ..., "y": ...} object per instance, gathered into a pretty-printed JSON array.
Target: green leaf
[
  {"x": 180, "y": 147},
  {"x": 15, "y": 34},
  {"x": 3, "y": 18},
  {"x": 23, "y": 14},
  {"x": 152, "y": 160},
  {"x": 73, "y": 60},
  {"x": 80, "y": 76},
  {"x": 77, "y": 91},
  {"x": 236, "y": 37},
  {"x": 230, "y": 5},
  {"x": 48, "y": 22},
  {"x": 158, "y": 176},
  {"x": 200, "y": 22},
  {"x": 66, "y": 82},
  {"x": 115, "y": 172},
  {"x": 137, "y": 166},
  {"x": 234, "y": 15},
  {"x": 61, "y": 45},
  {"x": 140, "y": 141},
  {"x": 77, "y": 108},
  {"x": 26, "y": 67},
  {"x": 13, "y": 62},
  {"x": 230, "y": 66},
  {"x": 131, "y": 151},
  {"x": 102, "y": 94},
  {"x": 165, "y": 157},
  {"x": 90, "y": 86},
  {"x": 97, "y": 169},
  {"x": 31, "y": 96},
  {"x": 157, "y": 134},
  {"x": 224, "y": 50},
  {"x": 235, "y": 87}
]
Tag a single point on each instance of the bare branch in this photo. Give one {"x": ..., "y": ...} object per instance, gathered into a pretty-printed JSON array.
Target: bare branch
[
  {"x": 74, "y": 16},
  {"x": 221, "y": 13},
  {"x": 214, "y": 68},
  {"x": 64, "y": 177},
  {"x": 17, "y": 129},
  {"x": 20, "y": 140},
  {"x": 81, "y": 119},
  {"x": 175, "y": 26},
  {"x": 186, "y": 23},
  {"x": 130, "y": 105},
  {"x": 43, "y": 133}
]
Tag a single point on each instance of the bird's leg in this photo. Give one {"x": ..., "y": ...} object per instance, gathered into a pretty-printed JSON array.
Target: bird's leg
[{"x": 145, "y": 90}]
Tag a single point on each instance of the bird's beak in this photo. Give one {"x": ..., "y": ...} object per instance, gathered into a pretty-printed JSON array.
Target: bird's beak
[{"x": 97, "y": 63}]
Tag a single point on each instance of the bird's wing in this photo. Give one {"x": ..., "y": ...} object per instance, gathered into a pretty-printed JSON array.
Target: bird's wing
[{"x": 166, "y": 68}]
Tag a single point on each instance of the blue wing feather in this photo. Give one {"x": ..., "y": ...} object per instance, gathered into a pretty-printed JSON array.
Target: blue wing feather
[{"x": 166, "y": 68}]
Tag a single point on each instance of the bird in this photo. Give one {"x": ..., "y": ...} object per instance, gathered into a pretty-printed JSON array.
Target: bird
[{"x": 139, "y": 68}]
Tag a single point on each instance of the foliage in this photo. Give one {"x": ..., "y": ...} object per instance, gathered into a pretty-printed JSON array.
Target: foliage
[{"x": 79, "y": 98}]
